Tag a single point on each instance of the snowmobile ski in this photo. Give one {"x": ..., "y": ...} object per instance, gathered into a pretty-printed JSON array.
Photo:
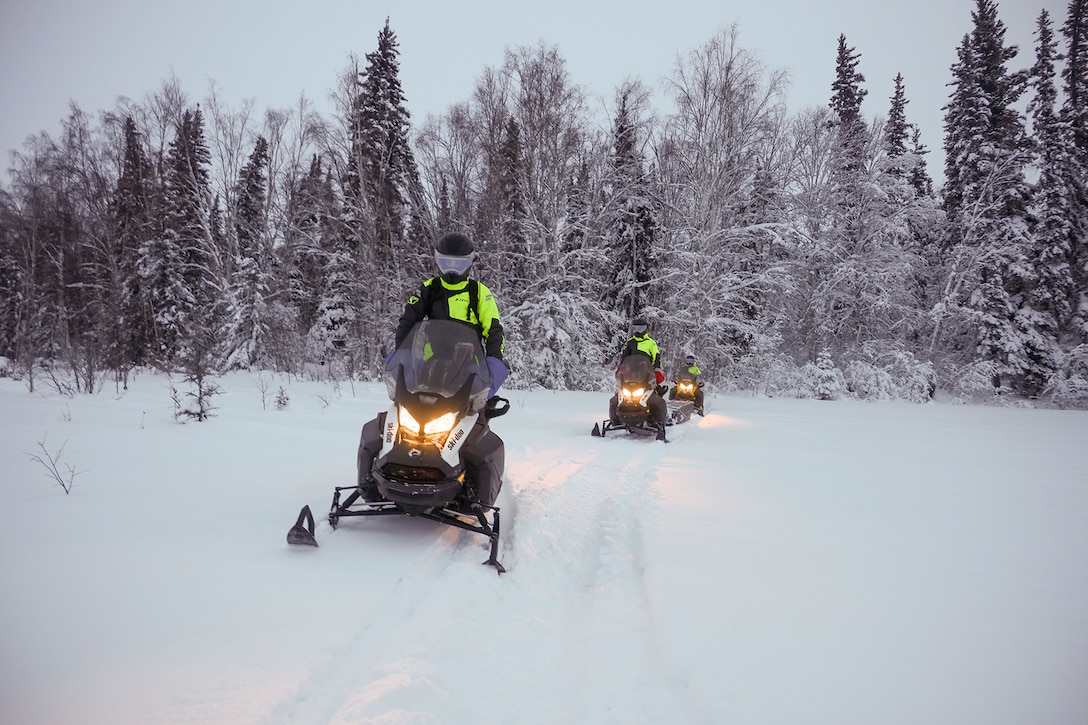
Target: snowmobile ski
[
  {"x": 475, "y": 519},
  {"x": 302, "y": 533}
]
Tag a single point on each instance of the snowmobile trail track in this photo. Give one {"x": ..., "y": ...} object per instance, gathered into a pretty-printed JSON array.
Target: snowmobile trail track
[
  {"x": 580, "y": 525},
  {"x": 367, "y": 663}
]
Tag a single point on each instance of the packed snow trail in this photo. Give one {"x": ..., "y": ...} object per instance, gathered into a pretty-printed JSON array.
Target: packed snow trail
[{"x": 572, "y": 545}]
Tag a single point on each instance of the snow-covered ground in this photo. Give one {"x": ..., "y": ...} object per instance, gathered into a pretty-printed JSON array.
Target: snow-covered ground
[{"x": 779, "y": 562}]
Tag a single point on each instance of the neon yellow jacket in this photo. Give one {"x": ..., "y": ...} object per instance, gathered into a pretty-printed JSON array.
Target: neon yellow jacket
[
  {"x": 439, "y": 300},
  {"x": 644, "y": 344}
]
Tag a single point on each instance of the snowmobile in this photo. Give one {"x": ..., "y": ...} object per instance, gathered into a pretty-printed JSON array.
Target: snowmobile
[
  {"x": 432, "y": 454},
  {"x": 684, "y": 387},
  {"x": 635, "y": 383}
]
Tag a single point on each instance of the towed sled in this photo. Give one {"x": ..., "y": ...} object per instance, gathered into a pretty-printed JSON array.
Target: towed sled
[
  {"x": 432, "y": 454},
  {"x": 635, "y": 390}
]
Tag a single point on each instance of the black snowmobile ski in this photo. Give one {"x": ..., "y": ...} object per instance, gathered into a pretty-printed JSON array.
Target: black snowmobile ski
[
  {"x": 302, "y": 533},
  {"x": 475, "y": 519},
  {"x": 679, "y": 411}
]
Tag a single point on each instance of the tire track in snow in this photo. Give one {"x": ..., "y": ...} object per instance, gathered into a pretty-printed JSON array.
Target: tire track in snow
[
  {"x": 370, "y": 661},
  {"x": 450, "y": 641},
  {"x": 580, "y": 560}
]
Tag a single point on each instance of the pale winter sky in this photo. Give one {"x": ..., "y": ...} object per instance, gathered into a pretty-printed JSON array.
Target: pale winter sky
[{"x": 56, "y": 51}]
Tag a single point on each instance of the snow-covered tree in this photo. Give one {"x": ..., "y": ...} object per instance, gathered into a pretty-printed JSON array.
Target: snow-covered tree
[
  {"x": 1074, "y": 117},
  {"x": 726, "y": 127},
  {"x": 897, "y": 132},
  {"x": 382, "y": 198},
  {"x": 1049, "y": 304},
  {"x": 248, "y": 319},
  {"x": 177, "y": 267},
  {"x": 134, "y": 210},
  {"x": 632, "y": 219},
  {"x": 986, "y": 196}
]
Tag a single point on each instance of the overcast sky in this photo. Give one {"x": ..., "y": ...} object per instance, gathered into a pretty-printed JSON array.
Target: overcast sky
[{"x": 57, "y": 51}]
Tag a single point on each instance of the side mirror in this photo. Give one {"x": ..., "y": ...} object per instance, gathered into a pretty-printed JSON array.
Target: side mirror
[{"x": 496, "y": 407}]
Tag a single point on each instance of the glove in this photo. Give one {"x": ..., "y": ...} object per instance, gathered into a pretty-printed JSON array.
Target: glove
[
  {"x": 497, "y": 369},
  {"x": 659, "y": 375}
]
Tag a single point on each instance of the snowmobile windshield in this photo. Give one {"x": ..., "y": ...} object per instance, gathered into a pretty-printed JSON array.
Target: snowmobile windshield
[
  {"x": 636, "y": 369},
  {"x": 438, "y": 357}
]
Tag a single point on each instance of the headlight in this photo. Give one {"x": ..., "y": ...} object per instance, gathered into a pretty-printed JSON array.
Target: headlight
[
  {"x": 633, "y": 394},
  {"x": 441, "y": 424},
  {"x": 687, "y": 387},
  {"x": 407, "y": 421}
]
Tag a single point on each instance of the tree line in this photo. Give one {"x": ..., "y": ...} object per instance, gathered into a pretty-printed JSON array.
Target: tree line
[{"x": 802, "y": 253}]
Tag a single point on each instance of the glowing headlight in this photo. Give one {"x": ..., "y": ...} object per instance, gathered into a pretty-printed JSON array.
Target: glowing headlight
[
  {"x": 441, "y": 424},
  {"x": 635, "y": 394},
  {"x": 687, "y": 387},
  {"x": 407, "y": 421}
]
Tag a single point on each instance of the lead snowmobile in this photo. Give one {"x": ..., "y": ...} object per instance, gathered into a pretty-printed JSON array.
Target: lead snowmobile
[
  {"x": 432, "y": 453},
  {"x": 635, "y": 384}
]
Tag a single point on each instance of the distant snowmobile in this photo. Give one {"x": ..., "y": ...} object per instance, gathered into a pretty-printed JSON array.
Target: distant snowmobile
[
  {"x": 432, "y": 453},
  {"x": 685, "y": 387},
  {"x": 635, "y": 384}
]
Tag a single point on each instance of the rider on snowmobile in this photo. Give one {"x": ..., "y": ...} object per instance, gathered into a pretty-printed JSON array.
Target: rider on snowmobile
[
  {"x": 640, "y": 342},
  {"x": 453, "y": 296},
  {"x": 690, "y": 371}
]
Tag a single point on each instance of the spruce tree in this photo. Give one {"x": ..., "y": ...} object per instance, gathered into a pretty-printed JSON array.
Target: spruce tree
[
  {"x": 1074, "y": 116},
  {"x": 1054, "y": 292},
  {"x": 178, "y": 266},
  {"x": 1075, "y": 74},
  {"x": 986, "y": 197},
  {"x": 846, "y": 98},
  {"x": 385, "y": 196},
  {"x": 132, "y": 210},
  {"x": 902, "y": 144},
  {"x": 386, "y": 165},
  {"x": 517, "y": 270},
  {"x": 308, "y": 238},
  {"x": 247, "y": 320},
  {"x": 984, "y": 133},
  {"x": 633, "y": 224},
  {"x": 1048, "y": 305},
  {"x": 897, "y": 130}
]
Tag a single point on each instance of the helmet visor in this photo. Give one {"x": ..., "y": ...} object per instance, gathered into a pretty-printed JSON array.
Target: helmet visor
[
  {"x": 639, "y": 329},
  {"x": 452, "y": 264}
]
